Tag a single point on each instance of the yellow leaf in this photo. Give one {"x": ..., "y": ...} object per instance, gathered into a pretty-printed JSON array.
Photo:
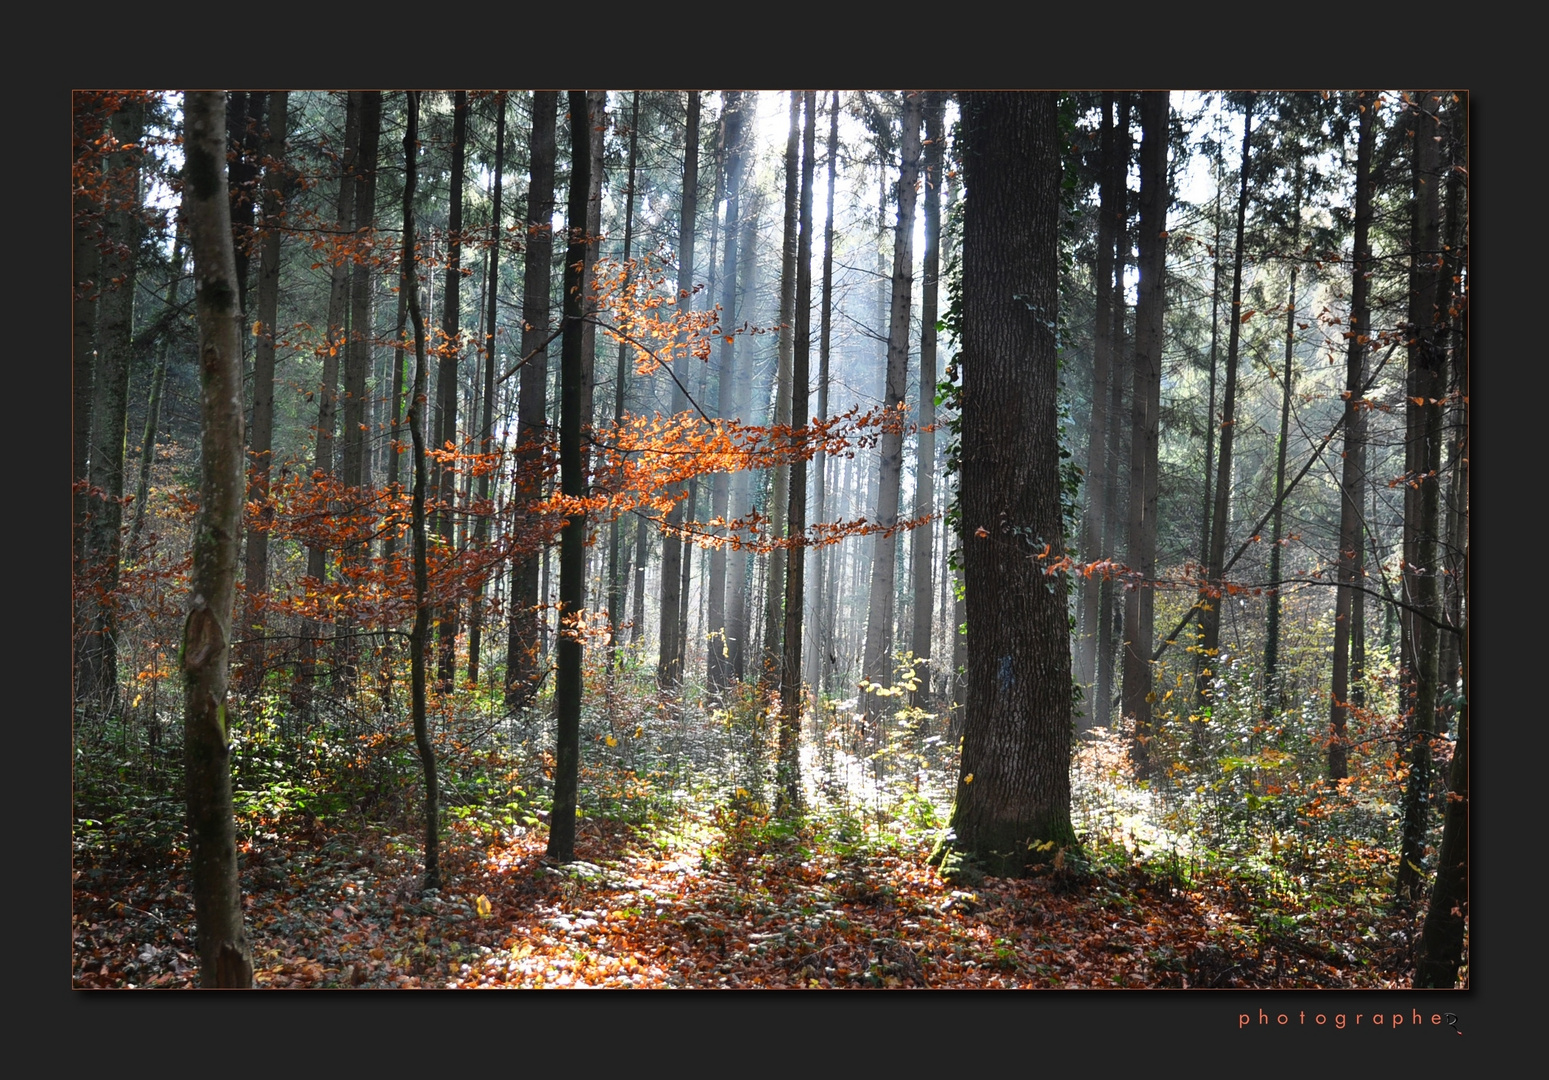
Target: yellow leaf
[
  {"x": 968, "y": 779},
  {"x": 612, "y": 741},
  {"x": 482, "y": 906}
]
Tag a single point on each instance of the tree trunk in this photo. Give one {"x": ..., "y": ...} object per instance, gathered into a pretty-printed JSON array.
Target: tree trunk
[
  {"x": 487, "y": 420},
  {"x": 1211, "y": 597},
  {"x": 449, "y": 355},
  {"x": 878, "y": 663},
  {"x": 1013, "y": 794},
  {"x": 572, "y": 567},
  {"x": 153, "y": 407},
  {"x": 1139, "y": 620},
  {"x": 788, "y": 795},
  {"x": 718, "y": 663},
  {"x": 1350, "y": 524},
  {"x": 1425, "y": 388},
  {"x": 224, "y": 957},
  {"x": 418, "y": 400},
  {"x": 923, "y": 539},
  {"x": 818, "y": 666},
  {"x": 524, "y": 643},
  {"x": 1272, "y": 694},
  {"x": 617, "y": 584},
  {"x": 97, "y": 671},
  {"x": 323, "y": 460},
  {"x": 261, "y": 440}
]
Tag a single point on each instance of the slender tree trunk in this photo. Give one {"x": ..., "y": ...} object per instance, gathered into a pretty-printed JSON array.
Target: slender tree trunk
[
  {"x": 524, "y": 643},
  {"x": 449, "y": 356},
  {"x": 1273, "y": 699},
  {"x": 1350, "y": 545},
  {"x": 670, "y": 658},
  {"x": 1426, "y": 386},
  {"x": 97, "y": 671},
  {"x": 1097, "y": 430},
  {"x": 877, "y": 665},
  {"x": 224, "y": 957},
  {"x": 261, "y": 440},
  {"x": 418, "y": 400},
  {"x": 788, "y": 794},
  {"x": 1139, "y": 628},
  {"x": 87, "y": 234},
  {"x": 818, "y": 665},
  {"x": 617, "y": 584},
  {"x": 487, "y": 419},
  {"x": 719, "y": 661},
  {"x": 1211, "y": 596},
  {"x": 572, "y": 571},
  {"x": 923, "y": 539},
  {"x": 153, "y": 407},
  {"x": 327, "y": 394}
]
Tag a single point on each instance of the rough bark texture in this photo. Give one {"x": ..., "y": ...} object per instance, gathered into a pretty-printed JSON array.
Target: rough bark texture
[
  {"x": 791, "y": 695},
  {"x": 224, "y": 957},
  {"x": 1013, "y": 792},
  {"x": 524, "y": 641},
  {"x": 1139, "y": 612},
  {"x": 1425, "y": 387},
  {"x": 575, "y": 406}
]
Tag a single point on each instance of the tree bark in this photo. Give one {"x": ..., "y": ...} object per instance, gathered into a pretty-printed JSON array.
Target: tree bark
[
  {"x": 448, "y": 357},
  {"x": 670, "y": 660},
  {"x": 1012, "y": 806},
  {"x": 255, "y": 576},
  {"x": 788, "y": 796},
  {"x": 418, "y": 400},
  {"x": 1139, "y": 612},
  {"x": 1350, "y": 524},
  {"x": 224, "y": 957},
  {"x": 487, "y": 419},
  {"x": 575, "y": 407},
  {"x": 923, "y": 539},
  {"x": 524, "y": 642}
]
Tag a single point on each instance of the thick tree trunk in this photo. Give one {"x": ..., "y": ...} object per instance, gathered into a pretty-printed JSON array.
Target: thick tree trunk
[
  {"x": 878, "y": 662},
  {"x": 1139, "y": 620},
  {"x": 224, "y": 957},
  {"x": 1013, "y": 794}
]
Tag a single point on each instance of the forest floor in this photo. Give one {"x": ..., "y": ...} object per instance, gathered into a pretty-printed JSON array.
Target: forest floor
[{"x": 725, "y": 898}]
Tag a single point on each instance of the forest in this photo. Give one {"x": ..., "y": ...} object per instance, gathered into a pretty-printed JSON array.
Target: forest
[{"x": 755, "y": 539}]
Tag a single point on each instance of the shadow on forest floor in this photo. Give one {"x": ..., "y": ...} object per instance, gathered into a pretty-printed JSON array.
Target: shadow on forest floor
[{"x": 728, "y": 898}]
